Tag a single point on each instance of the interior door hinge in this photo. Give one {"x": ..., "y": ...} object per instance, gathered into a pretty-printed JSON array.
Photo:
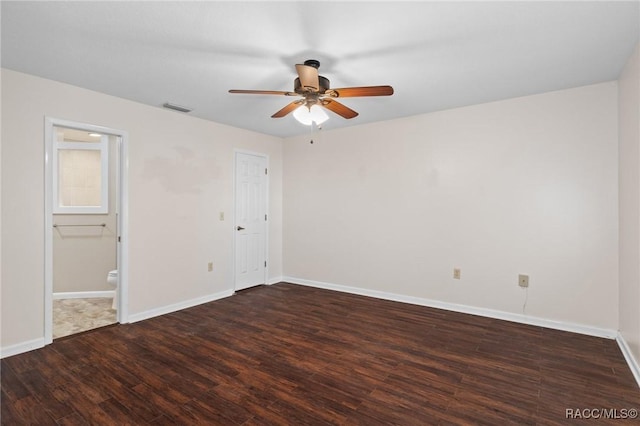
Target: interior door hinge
[
  {"x": 265, "y": 217},
  {"x": 265, "y": 170},
  {"x": 118, "y": 238},
  {"x": 265, "y": 263}
]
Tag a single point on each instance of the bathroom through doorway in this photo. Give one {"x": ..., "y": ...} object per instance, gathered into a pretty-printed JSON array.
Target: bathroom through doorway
[{"x": 84, "y": 232}]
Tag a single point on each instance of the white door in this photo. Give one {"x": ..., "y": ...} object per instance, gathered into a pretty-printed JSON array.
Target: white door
[{"x": 250, "y": 221}]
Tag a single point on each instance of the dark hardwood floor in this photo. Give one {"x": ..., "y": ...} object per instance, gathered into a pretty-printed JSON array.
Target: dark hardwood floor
[{"x": 293, "y": 355}]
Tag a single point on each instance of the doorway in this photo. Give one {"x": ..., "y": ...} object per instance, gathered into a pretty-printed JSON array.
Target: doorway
[
  {"x": 85, "y": 227},
  {"x": 250, "y": 224}
]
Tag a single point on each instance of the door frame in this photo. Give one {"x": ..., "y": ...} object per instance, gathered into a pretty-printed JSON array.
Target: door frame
[
  {"x": 266, "y": 229},
  {"x": 122, "y": 211}
]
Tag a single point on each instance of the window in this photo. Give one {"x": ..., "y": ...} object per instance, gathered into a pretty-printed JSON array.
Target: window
[{"x": 80, "y": 172}]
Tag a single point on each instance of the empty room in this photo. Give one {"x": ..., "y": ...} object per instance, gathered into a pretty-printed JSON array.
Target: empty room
[{"x": 320, "y": 212}]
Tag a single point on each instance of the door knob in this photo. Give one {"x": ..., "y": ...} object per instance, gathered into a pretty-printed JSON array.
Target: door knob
[{"x": 239, "y": 228}]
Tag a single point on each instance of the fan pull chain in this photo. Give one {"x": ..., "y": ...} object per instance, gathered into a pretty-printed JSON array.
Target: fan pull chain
[{"x": 315, "y": 132}]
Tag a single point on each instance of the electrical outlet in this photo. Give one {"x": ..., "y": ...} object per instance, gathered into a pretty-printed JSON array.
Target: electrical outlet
[
  {"x": 210, "y": 266},
  {"x": 221, "y": 215},
  {"x": 456, "y": 273},
  {"x": 523, "y": 281}
]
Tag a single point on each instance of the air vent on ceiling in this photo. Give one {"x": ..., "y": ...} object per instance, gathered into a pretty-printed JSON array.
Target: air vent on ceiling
[{"x": 176, "y": 107}]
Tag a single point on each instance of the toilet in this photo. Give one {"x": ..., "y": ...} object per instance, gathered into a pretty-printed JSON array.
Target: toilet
[{"x": 112, "y": 280}]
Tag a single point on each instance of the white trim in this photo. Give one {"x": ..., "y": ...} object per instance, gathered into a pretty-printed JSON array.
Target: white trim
[
  {"x": 83, "y": 294},
  {"x": 122, "y": 173},
  {"x": 48, "y": 229},
  {"x": 628, "y": 356},
  {"x": 21, "y": 348},
  {"x": 274, "y": 280},
  {"x": 267, "y": 183},
  {"x": 163, "y": 310},
  {"x": 266, "y": 229},
  {"x": 122, "y": 209},
  {"x": 484, "y": 312}
]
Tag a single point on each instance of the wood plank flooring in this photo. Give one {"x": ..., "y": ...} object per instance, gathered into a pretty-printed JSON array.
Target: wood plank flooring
[{"x": 293, "y": 355}]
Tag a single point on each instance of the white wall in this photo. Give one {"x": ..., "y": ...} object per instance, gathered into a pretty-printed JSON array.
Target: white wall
[
  {"x": 526, "y": 185},
  {"x": 629, "y": 113},
  {"x": 180, "y": 178}
]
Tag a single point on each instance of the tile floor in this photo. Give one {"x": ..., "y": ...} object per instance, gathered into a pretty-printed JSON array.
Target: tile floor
[{"x": 72, "y": 316}]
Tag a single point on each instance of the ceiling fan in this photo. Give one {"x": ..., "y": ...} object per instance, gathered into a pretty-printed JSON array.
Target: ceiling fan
[{"x": 314, "y": 91}]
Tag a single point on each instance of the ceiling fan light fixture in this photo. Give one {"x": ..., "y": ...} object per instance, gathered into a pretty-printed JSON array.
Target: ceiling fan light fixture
[
  {"x": 315, "y": 93},
  {"x": 308, "y": 116}
]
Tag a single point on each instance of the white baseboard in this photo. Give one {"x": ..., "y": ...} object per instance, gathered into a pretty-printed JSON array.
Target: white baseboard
[
  {"x": 274, "y": 280},
  {"x": 83, "y": 294},
  {"x": 628, "y": 356},
  {"x": 484, "y": 312},
  {"x": 178, "y": 306},
  {"x": 22, "y": 347}
]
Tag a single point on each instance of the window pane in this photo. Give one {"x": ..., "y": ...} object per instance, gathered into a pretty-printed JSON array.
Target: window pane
[{"x": 79, "y": 180}]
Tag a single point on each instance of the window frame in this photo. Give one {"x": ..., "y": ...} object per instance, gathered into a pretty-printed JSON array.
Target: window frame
[{"x": 103, "y": 147}]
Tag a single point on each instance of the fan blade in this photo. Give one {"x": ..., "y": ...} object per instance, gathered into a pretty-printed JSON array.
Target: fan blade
[
  {"x": 264, "y": 92},
  {"x": 338, "y": 108},
  {"x": 352, "y": 92},
  {"x": 287, "y": 109},
  {"x": 308, "y": 77}
]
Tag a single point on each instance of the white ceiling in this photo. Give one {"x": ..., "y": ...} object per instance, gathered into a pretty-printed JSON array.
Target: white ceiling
[{"x": 436, "y": 55}]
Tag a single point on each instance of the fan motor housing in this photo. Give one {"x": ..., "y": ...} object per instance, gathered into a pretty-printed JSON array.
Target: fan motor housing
[
  {"x": 312, "y": 63},
  {"x": 322, "y": 81}
]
